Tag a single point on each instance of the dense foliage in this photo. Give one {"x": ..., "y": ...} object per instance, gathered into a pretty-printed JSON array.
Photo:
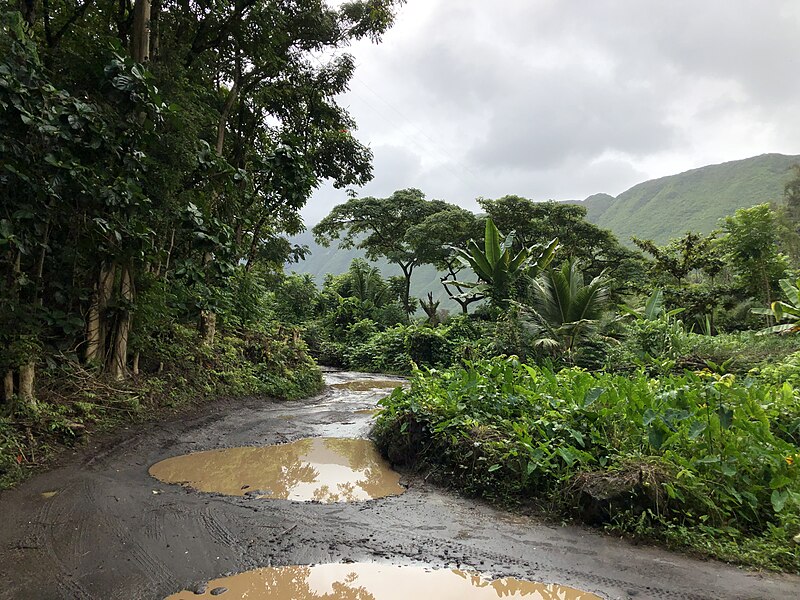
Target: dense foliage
[
  {"x": 154, "y": 157},
  {"x": 641, "y": 391},
  {"x": 698, "y": 457}
]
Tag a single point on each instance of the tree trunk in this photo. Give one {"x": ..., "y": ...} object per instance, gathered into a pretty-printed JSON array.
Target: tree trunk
[
  {"x": 96, "y": 326},
  {"x": 407, "y": 271},
  {"x": 208, "y": 326},
  {"x": 8, "y": 386},
  {"x": 28, "y": 10},
  {"x": 26, "y": 377},
  {"x": 136, "y": 357},
  {"x": 169, "y": 254},
  {"x": 140, "y": 40},
  {"x": 155, "y": 29},
  {"x": 118, "y": 360}
]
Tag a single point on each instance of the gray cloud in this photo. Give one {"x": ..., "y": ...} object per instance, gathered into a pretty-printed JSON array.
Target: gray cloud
[{"x": 553, "y": 99}]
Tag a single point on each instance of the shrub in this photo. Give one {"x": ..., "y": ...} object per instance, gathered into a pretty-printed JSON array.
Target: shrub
[{"x": 697, "y": 450}]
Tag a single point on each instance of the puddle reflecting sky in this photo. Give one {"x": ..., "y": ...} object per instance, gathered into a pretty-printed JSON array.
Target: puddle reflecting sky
[
  {"x": 368, "y": 581},
  {"x": 322, "y": 469}
]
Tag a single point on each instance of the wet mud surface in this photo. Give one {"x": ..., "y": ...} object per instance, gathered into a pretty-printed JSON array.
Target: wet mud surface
[
  {"x": 371, "y": 581},
  {"x": 111, "y": 531}
]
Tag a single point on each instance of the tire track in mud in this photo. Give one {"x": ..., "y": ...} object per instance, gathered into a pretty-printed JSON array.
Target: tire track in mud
[
  {"x": 140, "y": 557},
  {"x": 218, "y": 531},
  {"x": 397, "y": 542},
  {"x": 47, "y": 518},
  {"x": 357, "y": 536},
  {"x": 474, "y": 558}
]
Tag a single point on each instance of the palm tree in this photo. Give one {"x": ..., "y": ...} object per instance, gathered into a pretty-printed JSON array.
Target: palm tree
[{"x": 565, "y": 308}]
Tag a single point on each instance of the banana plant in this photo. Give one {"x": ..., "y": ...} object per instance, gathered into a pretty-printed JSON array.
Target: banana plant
[
  {"x": 784, "y": 311},
  {"x": 652, "y": 310},
  {"x": 497, "y": 267}
]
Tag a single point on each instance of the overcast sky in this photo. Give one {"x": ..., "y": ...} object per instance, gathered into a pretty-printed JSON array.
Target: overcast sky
[{"x": 563, "y": 99}]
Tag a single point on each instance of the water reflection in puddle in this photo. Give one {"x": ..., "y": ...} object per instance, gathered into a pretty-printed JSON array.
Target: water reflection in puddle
[
  {"x": 321, "y": 469},
  {"x": 367, "y": 581},
  {"x": 366, "y": 385}
]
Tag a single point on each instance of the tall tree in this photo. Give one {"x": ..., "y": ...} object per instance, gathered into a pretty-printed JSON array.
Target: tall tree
[
  {"x": 153, "y": 141},
  {"x": 435, "y": 241},
  {"x": 597, "y": 249},
  {"x": 380, "y": 227},
  {"x": 751, "y": 247}
]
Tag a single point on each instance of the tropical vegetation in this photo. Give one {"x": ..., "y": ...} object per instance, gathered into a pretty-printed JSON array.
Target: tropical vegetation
[{"x": 154, "y": 158}]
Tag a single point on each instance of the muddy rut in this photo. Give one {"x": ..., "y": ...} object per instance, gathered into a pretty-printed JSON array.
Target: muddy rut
[{"x": 100, "y": 527}]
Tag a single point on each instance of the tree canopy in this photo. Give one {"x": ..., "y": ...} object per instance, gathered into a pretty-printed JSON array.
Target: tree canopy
[
  {"x": 151, "y": 142},
  {"x": 381, "y": 227}
]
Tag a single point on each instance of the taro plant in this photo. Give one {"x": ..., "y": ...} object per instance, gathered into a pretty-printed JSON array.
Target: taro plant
[{"x": 702, "y": 453}]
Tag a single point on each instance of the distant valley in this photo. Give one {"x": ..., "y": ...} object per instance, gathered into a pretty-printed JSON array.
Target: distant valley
[{"x": 659, "y": 209}]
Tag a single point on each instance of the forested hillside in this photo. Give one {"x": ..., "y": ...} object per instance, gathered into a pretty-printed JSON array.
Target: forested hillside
[
  {"x": 659, "y": 209},
  {"x": 696, "y": 200}
]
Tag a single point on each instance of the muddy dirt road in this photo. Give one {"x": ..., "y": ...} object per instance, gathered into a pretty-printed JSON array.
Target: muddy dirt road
[{"x": 111, "y": 531}]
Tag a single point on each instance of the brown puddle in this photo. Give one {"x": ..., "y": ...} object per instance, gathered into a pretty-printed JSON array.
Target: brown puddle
[
  {"x": 368, "y": 411},
  {"x": 369, "y": 581},
  {"x": 366, "y": 385},
  {"x": 321, "y": 469}
]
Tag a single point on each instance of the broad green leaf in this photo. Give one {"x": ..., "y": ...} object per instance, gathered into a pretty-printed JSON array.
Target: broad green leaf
[
  {"x": 656, "y": 436},
  {"x": 790, "y": 291},
  {"x": 654, "y": 305},
  {"x": 779, "y": 481},
  {"x": 778, "y": 499},
  {"x": 696, "y": 429},
  {"x": 725, "y": 415},
  {"x": 492, "y": 243},
  {"x": 592, "y": 395}
]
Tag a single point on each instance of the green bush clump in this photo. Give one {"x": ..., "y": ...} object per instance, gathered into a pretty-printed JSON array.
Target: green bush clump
[
  {"x": 397, "y": 349},
  {"x": 680, "y": 457},
  {"x": 663, "y": 345},
  {"x": 742, "y": 350}
]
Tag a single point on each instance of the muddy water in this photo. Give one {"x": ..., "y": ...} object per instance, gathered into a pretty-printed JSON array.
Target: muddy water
[
  {"x": 369, "y": 581},
  {"x": 324, "y": 470},
  {"x": 367, "y": 385}
]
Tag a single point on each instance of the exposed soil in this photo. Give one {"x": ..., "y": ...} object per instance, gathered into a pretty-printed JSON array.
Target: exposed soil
[{"x": 100, "y": 527}]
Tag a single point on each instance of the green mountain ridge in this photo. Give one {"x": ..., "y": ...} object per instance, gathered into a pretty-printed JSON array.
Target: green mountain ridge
[
  {"x": 658, "y": 209},
  {"x": 668, "y": 207}
]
